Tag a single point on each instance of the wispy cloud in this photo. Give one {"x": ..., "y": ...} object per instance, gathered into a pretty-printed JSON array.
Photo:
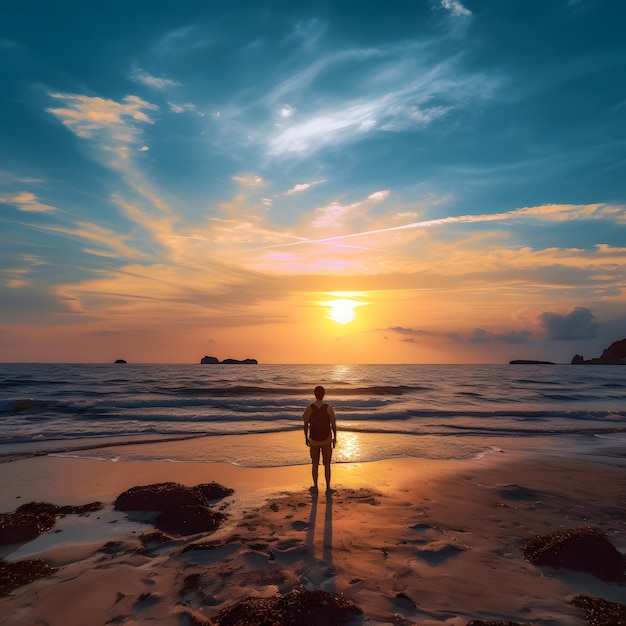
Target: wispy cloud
[
  {"x": 141, "y": 76},
  {"x": 27, "y": 202},
  {"x": 248, "y": 180},
  {"x": 456, "y": 8},
  {"x": 303, "y": 187},
  {"x": 187, "y": 107},
  {"x": 550, "y": 212},
  {"x": 398, "y": 91}
]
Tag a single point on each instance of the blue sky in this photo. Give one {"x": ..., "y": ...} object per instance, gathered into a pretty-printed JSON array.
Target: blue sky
[{"x": 189, "y": 178}]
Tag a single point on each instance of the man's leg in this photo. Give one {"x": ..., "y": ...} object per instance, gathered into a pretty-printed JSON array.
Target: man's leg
[
  {"x": 327, "y": 453},
  {"x": 315, "y": 461}
]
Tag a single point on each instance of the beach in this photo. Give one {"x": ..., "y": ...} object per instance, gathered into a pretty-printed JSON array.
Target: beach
[{"x": 408, "y": 540}]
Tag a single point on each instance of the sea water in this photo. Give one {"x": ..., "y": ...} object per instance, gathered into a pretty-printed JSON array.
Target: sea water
[{"x": 252, "y": 414}]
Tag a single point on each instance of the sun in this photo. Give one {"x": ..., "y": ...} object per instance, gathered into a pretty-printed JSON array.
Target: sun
[{"x": 342, "y": 311}]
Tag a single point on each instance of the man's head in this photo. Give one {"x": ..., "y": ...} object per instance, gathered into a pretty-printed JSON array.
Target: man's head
[{"x": 319, "y": 392}]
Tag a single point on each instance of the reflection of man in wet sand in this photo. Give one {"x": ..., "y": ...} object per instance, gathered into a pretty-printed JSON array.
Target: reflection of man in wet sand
[{"x": 320, "y": 433}]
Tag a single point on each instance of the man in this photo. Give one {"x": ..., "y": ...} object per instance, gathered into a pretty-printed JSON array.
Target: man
[{"x": 320, "y": 434}]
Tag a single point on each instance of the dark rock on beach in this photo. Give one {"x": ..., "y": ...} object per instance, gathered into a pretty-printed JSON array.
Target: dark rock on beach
[
  {"x": 18, "y": 573},
  {"x": 211, "y": 360},
  {"x": 599, "y": 612},
  {"x": 297, "y": 607},
  {"x": 581, "y": 549},
  {"x": 615, "y": 354}
]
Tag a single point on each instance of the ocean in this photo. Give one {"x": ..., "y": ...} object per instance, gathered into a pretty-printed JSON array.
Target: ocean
[{"x": 251, "y": 415}]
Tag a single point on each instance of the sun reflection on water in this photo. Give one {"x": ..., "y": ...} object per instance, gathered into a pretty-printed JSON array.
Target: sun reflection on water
[{"x": 348, "y": 448}]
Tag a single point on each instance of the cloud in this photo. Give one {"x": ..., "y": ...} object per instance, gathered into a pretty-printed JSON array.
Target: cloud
[
  {"x": 88, "y": 116},
  {"x": 248, "y": 180},
  {"x": 396, "y": 92},
  {"x": 514, "y": 336},
  {"x": 303, "y": 187},
  {"x": 456, "y": 8},
  {"x": 142, "y": 77},
  {"x": 406, "y": 331},
  {"x": 182, "y": 108},
  {"x": 577, "y": 324},
  {"x": 549, "y": 213},
  {"x": 26, "y": 201},
  {"x": 336, "y": 215},
  {"x": 479, "y": 336}
]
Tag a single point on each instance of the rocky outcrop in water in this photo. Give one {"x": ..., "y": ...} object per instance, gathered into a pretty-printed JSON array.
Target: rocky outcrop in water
[
  {"x": 211, "y": 360},
  {"x": 615, "y": 354}
]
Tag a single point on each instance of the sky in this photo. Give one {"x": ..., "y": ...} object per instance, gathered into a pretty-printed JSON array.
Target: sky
[{"x": 424, "y": 181}]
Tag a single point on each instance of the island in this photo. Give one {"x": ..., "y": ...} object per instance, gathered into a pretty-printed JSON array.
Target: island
[
  {"x": 527, "y": 362},
  {"x": 211, "y": 360},
  {"x": 120, "y": 361},
  {"x": 615, "y": 354}
]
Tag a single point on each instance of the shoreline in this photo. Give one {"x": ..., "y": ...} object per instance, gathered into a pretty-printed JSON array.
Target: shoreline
[{"x": 411, "y": 541}]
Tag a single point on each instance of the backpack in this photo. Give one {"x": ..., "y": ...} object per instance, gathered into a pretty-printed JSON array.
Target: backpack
[{"x": 319, "y": 423}]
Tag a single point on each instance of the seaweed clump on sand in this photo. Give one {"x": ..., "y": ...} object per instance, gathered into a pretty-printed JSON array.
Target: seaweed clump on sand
[
  {"x": 182, "y": 510},
  {"x": 581, "y": 549},
  {"x": 297, "y": 607},
  {"x": 35, "y": 518},
  {"x": 599, "y": 612},
  {"x": 482, "y": 622},
  {"x": 18, "y": 573}
]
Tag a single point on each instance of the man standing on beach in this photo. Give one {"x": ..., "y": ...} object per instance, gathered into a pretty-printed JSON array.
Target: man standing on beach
[{"x": 320, "y": 434}]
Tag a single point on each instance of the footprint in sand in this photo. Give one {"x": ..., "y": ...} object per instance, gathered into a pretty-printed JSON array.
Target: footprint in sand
[{"x": 439, "y": 553}]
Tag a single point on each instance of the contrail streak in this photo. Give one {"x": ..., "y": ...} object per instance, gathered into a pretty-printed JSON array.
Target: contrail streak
[{"x": 485, "y": 217}]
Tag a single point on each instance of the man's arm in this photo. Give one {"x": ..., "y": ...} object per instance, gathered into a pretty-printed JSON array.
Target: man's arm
[
  {"x": 333, "y": 424},
  {"x": 305, "y": 416}
]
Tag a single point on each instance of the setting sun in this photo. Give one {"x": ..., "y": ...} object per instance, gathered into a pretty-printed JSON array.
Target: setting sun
[{"x": 342, "y": 311}]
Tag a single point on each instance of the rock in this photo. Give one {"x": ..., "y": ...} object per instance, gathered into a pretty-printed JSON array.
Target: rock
[
  {"x": 18, "y": 573},
  {"x": 159, "y": 497},
  {"x": 120, "y": 361},
  {"x": 24, "y": 526},
  {"x": 581, "y": 549},
  {"x": 297, "y": 607},
  {"x": 242, "y": 362},
  {"x": 526, "y": 362},
  {"x": 615, "y": 354},
  {"x": 211, "y": 360},
  {"x": 189, "y": 520},
  {"x": 599, "y": 612}
]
